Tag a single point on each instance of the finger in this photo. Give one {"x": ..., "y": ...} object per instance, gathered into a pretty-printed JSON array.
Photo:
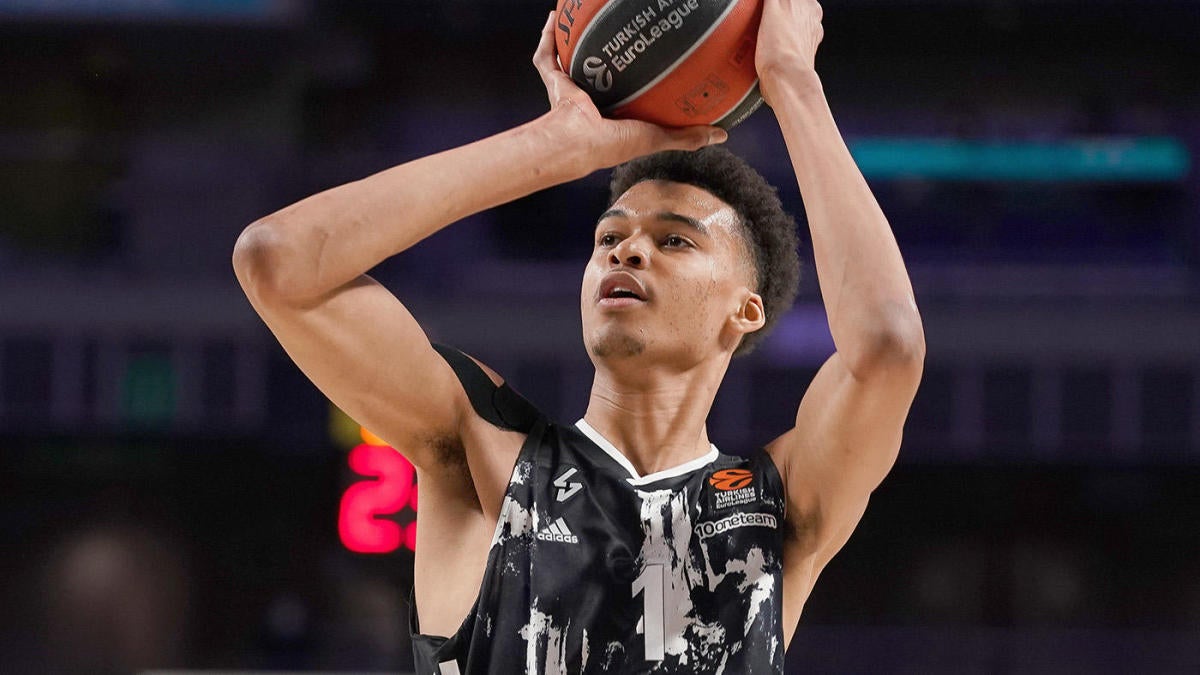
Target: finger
[
  {"x": 694, "y": 138},
  {"x": 545, "y": 59},
  {"x": 683, "y": 138}
]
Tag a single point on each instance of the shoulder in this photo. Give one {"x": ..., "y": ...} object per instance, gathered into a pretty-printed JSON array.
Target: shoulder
[
  {"x": 491, "y": 397},
  {"x": 493, "y": 427},
  {"x": 745, "y": 479},
  {"x": 757, "y": 462}
]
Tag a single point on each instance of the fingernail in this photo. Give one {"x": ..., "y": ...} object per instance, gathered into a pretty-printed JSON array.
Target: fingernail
[{"x": 718, "y": 136}]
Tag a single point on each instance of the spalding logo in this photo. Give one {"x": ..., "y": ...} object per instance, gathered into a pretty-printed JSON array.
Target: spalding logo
[
  {"x": 730, "y": 479},
  {"x": 565, "y": 13},
  {"x": 597, "y": 72}
]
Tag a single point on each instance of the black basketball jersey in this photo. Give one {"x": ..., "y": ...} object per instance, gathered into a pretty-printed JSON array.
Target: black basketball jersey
[{"x": 596, "y": 569}]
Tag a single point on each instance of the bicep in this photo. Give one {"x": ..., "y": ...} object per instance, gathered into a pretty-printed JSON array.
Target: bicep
[
  {"x": 364, "y": 350},
  {"x": 845, "y": 440}
]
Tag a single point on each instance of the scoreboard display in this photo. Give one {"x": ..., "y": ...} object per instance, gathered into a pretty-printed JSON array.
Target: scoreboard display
[{"x": 377, "y": 513}]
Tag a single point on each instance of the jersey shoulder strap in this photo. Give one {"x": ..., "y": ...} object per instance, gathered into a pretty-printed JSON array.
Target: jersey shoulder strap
[
  {"x": 773, "y": 480},
  {"x": 499, "y": 405}
]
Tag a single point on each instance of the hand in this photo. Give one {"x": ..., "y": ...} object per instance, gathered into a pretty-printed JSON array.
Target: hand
[
  {"x": 608, "y": 142},
  {"x": 788, "y": 38}
]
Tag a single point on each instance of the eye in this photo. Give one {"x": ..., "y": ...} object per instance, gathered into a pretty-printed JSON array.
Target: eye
[
  {"x": 676, "y": 241},
  {"x": 607, "y": 240}
]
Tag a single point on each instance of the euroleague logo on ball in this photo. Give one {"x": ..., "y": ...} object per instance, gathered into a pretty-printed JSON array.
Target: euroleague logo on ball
[
  {"x": 597, "y": 73},
  {"x": 675, "y": 63},
  {"x": 730, "y": 479}
]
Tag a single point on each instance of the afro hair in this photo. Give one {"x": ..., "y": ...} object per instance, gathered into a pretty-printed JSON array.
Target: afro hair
[{"x": 769, "y": 232}]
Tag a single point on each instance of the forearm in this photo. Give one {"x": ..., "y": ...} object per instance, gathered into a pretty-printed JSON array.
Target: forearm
[
  {"x": 323, "y": 242},
  {"x": 866, "y": 290},
  {"x": 315, "y": 246}
]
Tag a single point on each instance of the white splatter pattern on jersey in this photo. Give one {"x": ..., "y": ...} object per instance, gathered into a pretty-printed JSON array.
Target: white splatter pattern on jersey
[
  {"x": 667, "y": 530},
  {"x": 683, "y": 575},
  {"x": 514, "y": 521},
  {"x": 670, "y": 549},
  {"x": 540, "y": 625},
  {"x": 521, "y": 473},
  {"x": 754, "y": 571}
]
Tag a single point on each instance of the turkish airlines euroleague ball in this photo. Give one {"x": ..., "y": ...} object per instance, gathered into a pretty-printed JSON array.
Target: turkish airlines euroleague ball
[{"x": 672, "y": 62}]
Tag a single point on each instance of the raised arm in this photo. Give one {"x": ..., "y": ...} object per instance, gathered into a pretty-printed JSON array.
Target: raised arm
[
  {"x": 849, "y": 424},
  {"x": 303, "y": 267}
]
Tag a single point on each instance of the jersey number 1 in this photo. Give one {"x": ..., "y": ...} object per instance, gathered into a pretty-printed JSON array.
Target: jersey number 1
[{"x": 650, "y": 584}]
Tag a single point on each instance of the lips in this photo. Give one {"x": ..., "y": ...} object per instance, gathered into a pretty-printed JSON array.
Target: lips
[{"x": 622, "y": 288}]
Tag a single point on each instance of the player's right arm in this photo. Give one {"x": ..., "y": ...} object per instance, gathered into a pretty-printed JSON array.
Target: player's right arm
[{"x": 303, "y": 267}]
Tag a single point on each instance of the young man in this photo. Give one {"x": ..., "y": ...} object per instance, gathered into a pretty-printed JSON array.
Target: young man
[{"x": 624, "y": 543}]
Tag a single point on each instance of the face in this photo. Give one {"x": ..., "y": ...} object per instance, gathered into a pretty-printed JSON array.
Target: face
[{"x": 669, "y": 277}]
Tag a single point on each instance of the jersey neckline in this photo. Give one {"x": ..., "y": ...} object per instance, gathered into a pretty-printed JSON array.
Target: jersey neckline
[{"x": 634, "y": 477}]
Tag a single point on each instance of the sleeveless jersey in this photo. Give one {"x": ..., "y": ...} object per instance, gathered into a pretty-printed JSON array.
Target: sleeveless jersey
[{"x": 595, "y": 569}]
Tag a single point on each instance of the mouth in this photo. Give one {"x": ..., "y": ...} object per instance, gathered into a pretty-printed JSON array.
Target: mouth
[{"x": 621, "y": 289}]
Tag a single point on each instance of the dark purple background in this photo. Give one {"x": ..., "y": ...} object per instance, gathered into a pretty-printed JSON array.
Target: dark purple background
[{"x": 168, "y": 482}]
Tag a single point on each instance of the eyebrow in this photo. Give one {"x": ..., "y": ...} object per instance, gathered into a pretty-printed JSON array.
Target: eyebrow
[{"x": 670, "y": 216}]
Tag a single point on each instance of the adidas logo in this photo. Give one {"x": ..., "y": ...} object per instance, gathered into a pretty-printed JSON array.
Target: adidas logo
[{"x": 558, "y": 531}]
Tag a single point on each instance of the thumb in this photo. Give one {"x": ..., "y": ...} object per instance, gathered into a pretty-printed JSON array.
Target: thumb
[{"x": 694, "y": 138}]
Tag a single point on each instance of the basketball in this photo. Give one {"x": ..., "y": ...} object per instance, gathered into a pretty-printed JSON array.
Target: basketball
[{"x": 672, "y": 62}]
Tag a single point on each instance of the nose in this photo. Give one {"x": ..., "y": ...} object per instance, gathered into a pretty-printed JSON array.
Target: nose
[{"x": 630, "y": 252}]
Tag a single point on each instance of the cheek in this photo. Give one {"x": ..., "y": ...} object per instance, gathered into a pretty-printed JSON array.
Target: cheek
[
  {"x": 696, "y": 299},
  {"x": 590, "y": 280}
]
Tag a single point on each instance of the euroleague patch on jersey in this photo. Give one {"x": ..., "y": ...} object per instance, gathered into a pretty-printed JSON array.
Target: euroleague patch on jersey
[
  {"x": 715, "y": 527},
  {"x": 732, "y": 487}
]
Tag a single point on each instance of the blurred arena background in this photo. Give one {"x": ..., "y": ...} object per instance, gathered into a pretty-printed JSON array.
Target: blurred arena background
[{"x": 175, "y": 495}]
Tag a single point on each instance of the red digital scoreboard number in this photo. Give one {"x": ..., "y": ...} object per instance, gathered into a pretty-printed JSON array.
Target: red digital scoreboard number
[{"x": 378, "y": 514}]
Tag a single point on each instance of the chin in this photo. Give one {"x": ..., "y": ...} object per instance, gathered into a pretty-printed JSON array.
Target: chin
[{"x": 616, "y": 345}]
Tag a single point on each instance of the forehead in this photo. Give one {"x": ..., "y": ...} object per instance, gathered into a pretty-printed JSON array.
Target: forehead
[{"x": 660, "y": 196}]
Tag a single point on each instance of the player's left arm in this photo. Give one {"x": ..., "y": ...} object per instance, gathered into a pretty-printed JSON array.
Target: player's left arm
[{"x": 849, "y": 424}]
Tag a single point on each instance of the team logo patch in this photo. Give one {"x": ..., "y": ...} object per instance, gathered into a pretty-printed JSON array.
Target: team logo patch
[
  {"x": 567, "y": 487},
  {"x": 558, "y": 531},
  {"x": 713, "y": 528},
  {"x": 732, "y": 487}
]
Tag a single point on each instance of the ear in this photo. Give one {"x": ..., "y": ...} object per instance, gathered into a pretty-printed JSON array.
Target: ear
[{"x": 750, "y": 315}]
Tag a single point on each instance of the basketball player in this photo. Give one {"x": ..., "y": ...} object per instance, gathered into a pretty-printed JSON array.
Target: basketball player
[{"x": 625, "y": 542}]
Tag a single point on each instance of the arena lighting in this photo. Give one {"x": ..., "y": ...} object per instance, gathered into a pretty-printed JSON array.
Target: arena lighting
[
  {"x": 365, "y": 516},
  {"x": 1125, "y": 159}
]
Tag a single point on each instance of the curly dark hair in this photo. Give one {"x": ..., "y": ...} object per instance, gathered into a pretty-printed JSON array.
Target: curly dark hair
[{"x": 769, "y": 231}]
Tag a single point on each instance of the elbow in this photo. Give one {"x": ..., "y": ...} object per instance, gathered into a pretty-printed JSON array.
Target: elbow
[
  {"x": 894, "y": 344},
  {"x": 904, "y": 340},
  {"x": 263, "y": 260}
]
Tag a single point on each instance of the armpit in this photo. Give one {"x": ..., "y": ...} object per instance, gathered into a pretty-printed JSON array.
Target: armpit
[
  {"x": 791, "y": 532},
  {"x": 451, "y": 457}
]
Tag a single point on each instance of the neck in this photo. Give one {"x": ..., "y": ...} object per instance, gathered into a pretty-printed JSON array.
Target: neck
[{"x": 655, "y": 417}]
